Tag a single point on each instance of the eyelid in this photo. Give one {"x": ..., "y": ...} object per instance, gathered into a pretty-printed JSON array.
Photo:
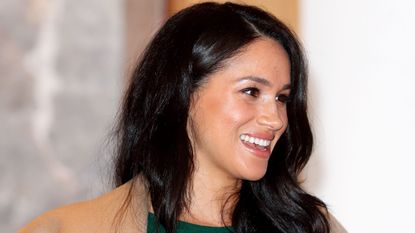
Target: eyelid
[
  {"x": 253, "y": 89},
  {"x": 283, "y": 98}
]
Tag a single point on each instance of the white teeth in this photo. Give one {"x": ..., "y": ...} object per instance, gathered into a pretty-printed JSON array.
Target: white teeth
[{"x": 258, "y": 141}]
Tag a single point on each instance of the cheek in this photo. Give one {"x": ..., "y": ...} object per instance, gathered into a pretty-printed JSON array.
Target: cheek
[
  {"x": 220, "y": 117},
  {"x": 234, "y": 113},
  {"x": 284, "y": 118},
  {"x": 224, "y": 106}
]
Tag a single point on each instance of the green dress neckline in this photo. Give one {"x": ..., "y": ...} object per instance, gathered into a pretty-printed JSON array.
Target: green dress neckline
[{"x": 185, "y": 227}]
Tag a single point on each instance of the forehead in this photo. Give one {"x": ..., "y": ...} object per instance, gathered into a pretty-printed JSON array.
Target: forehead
[{"x": 264, "y": 58}]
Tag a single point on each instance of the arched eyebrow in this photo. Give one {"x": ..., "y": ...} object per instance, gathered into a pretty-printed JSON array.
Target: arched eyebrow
[{"x": 262, "y": 81}]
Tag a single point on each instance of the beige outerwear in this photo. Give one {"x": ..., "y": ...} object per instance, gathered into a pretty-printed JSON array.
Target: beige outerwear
[{"x": 102, "y": 215}]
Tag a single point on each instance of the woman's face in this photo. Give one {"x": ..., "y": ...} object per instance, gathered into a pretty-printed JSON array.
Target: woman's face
[{"x": 239, "y": 114}]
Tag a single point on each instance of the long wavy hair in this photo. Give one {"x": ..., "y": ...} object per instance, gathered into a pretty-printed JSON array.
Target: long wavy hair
[{"x": 152, "y": 136}]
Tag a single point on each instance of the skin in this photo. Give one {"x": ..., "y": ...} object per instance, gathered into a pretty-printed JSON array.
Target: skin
[{"x": 245, "y": 97}]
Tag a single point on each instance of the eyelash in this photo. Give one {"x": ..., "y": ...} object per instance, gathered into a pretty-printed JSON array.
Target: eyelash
[
  {"x": 254, "y": 92},
  {"x": 283, "y": 99}
]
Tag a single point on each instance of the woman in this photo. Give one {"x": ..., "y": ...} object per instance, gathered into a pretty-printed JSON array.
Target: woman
[{"x": 212, "y": 135}]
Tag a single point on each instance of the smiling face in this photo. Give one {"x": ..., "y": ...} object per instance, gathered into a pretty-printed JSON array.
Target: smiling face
[{"x": 239, "y": 113}]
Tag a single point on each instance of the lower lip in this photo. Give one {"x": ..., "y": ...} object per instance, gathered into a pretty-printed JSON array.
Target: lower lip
[{"x": 265, "y": 154}]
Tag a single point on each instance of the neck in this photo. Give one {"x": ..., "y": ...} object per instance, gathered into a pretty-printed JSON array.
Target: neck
[{"x": 212, "y": 199}]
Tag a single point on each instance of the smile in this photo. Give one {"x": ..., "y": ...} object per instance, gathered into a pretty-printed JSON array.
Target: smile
[
  {"x": 257, "y": 141},
  {"x": 258, "y": 146}
]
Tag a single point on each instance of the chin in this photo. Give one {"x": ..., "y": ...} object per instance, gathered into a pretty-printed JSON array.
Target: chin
[{"x": 254, "y": 175}]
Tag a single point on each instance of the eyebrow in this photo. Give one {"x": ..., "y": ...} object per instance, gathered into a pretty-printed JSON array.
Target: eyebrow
[{"x": 262, "y": 81}]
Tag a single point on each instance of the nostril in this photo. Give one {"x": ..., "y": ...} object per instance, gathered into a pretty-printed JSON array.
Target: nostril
[{"x": 273, "y": 122}]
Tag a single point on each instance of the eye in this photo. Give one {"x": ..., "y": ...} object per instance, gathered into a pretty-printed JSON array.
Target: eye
[
  {"x": 252, "y": 91},
  {"x": 283, "y": 98}
]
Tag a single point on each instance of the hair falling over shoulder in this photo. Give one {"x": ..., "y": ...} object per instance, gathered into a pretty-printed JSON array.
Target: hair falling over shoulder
[{"x": 152, "y": 137}]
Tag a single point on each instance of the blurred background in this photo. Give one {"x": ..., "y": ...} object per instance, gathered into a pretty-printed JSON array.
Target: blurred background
[{"x": 64, "y": 65}]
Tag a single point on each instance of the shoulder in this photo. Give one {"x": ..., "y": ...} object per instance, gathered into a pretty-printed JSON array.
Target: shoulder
[
  {"x": 88, "y": 216},
  {"x": 47, "y": 223}
]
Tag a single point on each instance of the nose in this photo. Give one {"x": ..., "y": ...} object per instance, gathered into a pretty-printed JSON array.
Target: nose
[{"x": 271, "y": 118}]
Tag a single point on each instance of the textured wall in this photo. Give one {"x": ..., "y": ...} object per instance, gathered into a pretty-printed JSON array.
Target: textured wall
[
  {"x": 60, "y": 69},
  {"x": 63, "y": 65}
]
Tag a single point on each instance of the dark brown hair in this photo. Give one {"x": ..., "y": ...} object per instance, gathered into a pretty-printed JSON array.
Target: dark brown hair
[{"x": 152, "y": 135}]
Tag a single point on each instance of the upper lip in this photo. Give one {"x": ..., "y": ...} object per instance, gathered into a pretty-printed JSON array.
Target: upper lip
[{"x": 265, "y": 136}]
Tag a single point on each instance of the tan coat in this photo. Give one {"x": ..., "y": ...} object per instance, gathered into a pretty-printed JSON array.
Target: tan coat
[{"x": 100, "y": 215}]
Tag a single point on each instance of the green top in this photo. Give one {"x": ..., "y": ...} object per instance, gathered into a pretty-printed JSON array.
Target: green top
[{"x": 185, "y": 227}]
